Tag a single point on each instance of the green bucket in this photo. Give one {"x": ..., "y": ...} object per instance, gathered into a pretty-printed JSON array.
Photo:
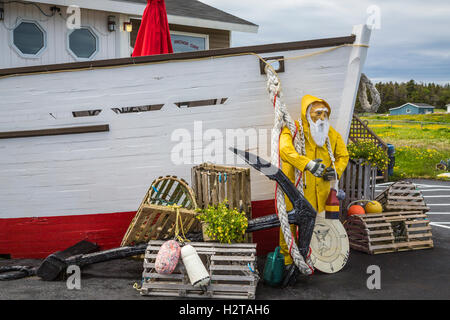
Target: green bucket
[{"x": 274, "y": 268}]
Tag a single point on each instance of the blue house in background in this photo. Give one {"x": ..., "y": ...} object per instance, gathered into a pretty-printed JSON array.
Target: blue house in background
[{"x": 412, "y": 108}]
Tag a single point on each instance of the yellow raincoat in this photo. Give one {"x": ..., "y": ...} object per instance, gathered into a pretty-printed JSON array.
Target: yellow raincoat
[{"x": 316, "y": 190}]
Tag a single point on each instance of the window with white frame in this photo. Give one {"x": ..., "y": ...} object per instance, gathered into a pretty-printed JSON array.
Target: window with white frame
[
  {"x": 83, "y": 43},
  {"x": 29, "y": 39},
  {"x": 184, "y": 41}
]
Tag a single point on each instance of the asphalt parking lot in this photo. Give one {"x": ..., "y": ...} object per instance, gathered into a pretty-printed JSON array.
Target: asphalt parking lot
[{"x": 420, "y": 274}]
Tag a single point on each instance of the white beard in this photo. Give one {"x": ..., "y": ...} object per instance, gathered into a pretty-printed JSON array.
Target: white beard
[{"x": 319, "y": 130}]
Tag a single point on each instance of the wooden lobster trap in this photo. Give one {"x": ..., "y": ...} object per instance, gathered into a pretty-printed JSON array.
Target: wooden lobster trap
[
  {"x": 402, "y": 195},
  {"x": 403, "y": 224},
  {"x": 213, "y": 184},
  {"x": 232, "y": 270},
  {"x": 156, "y": 216}
]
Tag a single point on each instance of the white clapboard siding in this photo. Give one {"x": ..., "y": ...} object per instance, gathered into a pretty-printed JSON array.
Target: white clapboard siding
[
  {"x": 56, "y": 33},
  {"x": 111, "y": 171}
]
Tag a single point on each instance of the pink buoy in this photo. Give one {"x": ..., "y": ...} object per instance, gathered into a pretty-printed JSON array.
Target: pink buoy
[{"x": 167, "y": 257}]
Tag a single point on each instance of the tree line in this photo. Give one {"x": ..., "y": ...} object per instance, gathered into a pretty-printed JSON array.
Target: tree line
[{"x": 394, "y": 94}]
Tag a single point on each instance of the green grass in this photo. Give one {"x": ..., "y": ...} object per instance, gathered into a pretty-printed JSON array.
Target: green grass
[
  {"x": 413, "y": 162},
  {"x": 418, "y": 147}
]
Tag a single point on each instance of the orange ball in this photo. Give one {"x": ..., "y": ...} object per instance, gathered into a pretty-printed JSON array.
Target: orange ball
[{"x": 355, "y": 209}]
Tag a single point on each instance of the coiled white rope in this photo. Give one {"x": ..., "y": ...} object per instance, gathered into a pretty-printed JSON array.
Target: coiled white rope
[
  {"x": 282, "y": 119},
  {"x": 365, "y": 84}
]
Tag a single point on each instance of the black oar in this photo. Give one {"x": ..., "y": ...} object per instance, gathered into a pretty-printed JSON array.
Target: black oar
[{"x": 51, "y": 267}]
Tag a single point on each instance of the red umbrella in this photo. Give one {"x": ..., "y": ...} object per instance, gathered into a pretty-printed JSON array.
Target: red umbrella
[{"x": 153, "y": 36}]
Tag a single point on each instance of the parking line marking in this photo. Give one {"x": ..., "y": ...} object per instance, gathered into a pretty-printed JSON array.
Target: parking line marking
[
  {"x": 435, "y": 196},
  {"x": 440, "y": 224},
  {"x": 423, "y": 190},
  {"x": 431, "y": 186},
  {"x": 438, "y": 213}
]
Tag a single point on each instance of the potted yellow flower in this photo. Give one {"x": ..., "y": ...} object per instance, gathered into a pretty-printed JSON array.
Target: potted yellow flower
[
  {"x": 368, "y": 153},
  {"x": 222, "y": 224}
]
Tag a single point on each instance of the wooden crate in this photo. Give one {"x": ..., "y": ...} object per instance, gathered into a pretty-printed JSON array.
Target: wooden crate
[
  {"x": 389, "y": 232},
  {"x": 403, "y": 224},
  {"x": 170, "y": 190},
  {"x": 213, "y": 183},
  {"x": 155, "y": 219},
  {"x": 402, "y": 195},
  {"x": 229, "y": 268},
  {"x": 358, "y": 182},
  {"x": 158, "y": 222}
]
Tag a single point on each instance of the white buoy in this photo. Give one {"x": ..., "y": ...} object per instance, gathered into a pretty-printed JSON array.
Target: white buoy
[{"x": 197, "y": 273}]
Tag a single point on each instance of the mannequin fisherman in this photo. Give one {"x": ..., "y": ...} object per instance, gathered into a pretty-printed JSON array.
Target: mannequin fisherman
[{"x": 316, "y": 165}]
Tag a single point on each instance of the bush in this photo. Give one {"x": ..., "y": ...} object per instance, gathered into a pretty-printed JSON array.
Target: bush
[
  {"x": 370, "y": 153},
  {"x": 223, "y": 224}
]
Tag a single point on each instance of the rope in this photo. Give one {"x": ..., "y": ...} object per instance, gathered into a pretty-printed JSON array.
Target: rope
[
  {"x": 16, "y": 272},
  {"x": 365, "y": 84},
  {"x": 282, "y": 118},
  {"x": 179, "y": 225}
]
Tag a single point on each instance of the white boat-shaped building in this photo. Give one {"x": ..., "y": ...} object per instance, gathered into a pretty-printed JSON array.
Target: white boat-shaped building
[{"x": 80, "y": 143}]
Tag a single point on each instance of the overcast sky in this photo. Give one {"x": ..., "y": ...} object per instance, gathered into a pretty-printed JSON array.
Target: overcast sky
[{"x": 413, "y": 41}]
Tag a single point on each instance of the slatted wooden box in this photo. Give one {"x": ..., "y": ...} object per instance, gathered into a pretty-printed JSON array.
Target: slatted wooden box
[
  {"x": 230, "y": 267},
  {"x": 158, "y": 222},
  {"x": 402, "y": 195},
  {"x": 403, "y": 224},
  {"x": 389, "y": 232},
  {"x": 358, "y": 182},
  {"x": 213, "y": 184},
  {"x": 155, "y": 219}
]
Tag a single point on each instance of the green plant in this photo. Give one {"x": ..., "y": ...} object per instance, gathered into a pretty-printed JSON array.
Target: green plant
[
  {"x": 370, "y": 153},
  {"x": 223, "y": 224}
]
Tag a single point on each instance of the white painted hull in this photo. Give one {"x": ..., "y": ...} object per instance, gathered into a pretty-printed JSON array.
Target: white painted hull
[{"x": 105, "y": 172}]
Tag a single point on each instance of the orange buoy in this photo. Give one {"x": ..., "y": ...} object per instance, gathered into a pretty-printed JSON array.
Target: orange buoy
[
  {"x": 355, "y": 209},
  {"x": 373, "y": 207}
]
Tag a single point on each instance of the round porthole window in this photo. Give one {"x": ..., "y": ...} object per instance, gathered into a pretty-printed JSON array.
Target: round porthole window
[
  {"x": 83, "y": 43},
  {"x": 29, "y": 38}
]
